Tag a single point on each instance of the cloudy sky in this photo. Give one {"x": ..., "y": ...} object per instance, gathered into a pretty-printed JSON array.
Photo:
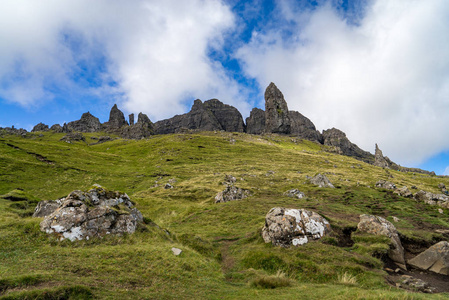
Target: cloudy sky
[{"x": 376, "y": 69}]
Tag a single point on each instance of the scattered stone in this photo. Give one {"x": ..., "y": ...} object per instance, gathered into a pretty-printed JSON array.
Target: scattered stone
[
  {"x": 131, "y": 119},
  {"x": 379, "y": 226},
  {"x": 435, "y": 259},
  {"x": 321, "y": 181},
  {"x": 176, "y": 251},
  {"x": 416, "y": 283},
  {"x": 40, "y": 127},
  {"x": 168, "y": 186},
  {"x": 440, "y": 210},
  {"x": 286, "y": 227},
  {"x": 396, "y": 219},
  {"x": 46, "y": 208},
  {"x": 95, "y": 213},
  {"x": 277, "y": 119},
  {"x": 433, "y": 199},
  {"x": 73, "y": 137},
  {"x": 384, "y": 184},
  {"x": 404, "y": 192},
  {"x": 295, "y": 193},
  {"x": 229, "y": 180},
  {"x": 232, "y": 193}
]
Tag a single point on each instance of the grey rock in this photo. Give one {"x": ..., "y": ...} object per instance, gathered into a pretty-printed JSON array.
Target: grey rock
[
  {"x": 231, "y": 193},
  {"x": 255, "y": 123},
  {"x": 384, "y": 184},
  {"x": 379, "y": 159},
  {"x": 46, "y": 207},
  {"x": 142, "y": 129},
  {"x": 404, "y": 192},
  {"x": 116, "y": 119},
  {"x": 95, "y": 213},
  {"x": 303, "y": 128},
  {"x": 87, "y": 123},
  {"x": 131, "y": 119},
  {"x": 285, "y": 227},
  {"x": 337, "y": 139},
  {"x": 416, "y": 283},
  {"x": 277, "y": 119},
  {"x": 56, "y": 128},
  {"x": 441, "y": 200},
  {"x": 227, "y": 116},
  {"x": 73, "y": 137},
  {"x": 435, "y": 259},
  {"x": 229, "y": 180},
  {"x": 40, "y": 127},
  {"x": 379, "y": 226},
  {"x": 176, "y": 251},
  {"x": 295, "y": 193},
  {"x": 321, "y": 181}
]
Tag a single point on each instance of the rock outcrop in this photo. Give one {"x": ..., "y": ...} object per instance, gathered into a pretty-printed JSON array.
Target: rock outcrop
[
  {"x": 441, "y": 200},
  {"x": 384, "y": 184},
  {"x": 277, "y": 119},
  {"x": 73, "y": 137},
  {"x": 379, "y": 226},
  {"x": 255, "y": 123},
  {"x": 295, "y": 193},
  {"x": 95, "y": 213},
  {"x": 379, "y": 159},
  {"x": 40, "y": 127},
  {"x": 285, "y": 227},
  {"x": 142, "y": 129},
  {"x": 322, "y": 181},
  {"x": 303, "y": 128},
  {"x": 227, "y": 116},
  {"x": 56, "y": 128},
  {"x": 231, "y": 192},
  {"x": 116, "y": 119},
  {"x": 131, "y": 119},
  {"x": 337, "y": 138},
  {"x": 46, "y": 208},
  {"x": 435, "y": 259},
  {"x": 87, "y": 123}
]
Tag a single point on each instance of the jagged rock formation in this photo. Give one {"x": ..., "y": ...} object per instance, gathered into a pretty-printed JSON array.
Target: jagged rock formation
[
  {"x": 40, "y": 127},
  {"x": 131, "y": 119},
  {"x": 87, "y": 123},
  {"x": 56, "y": 128},
  {"x": 302, "y": 127},
  {"x": 337, "y": 138},
  {"x": 95, "y": 213},
  {"x": 379, "y": 159},
  {"x": 255, "y": 123},
  {"x": 142, "y": 129},
  {"x": 379, "y": 226},
  {"x": 116, "y": 119},
  {"x": 277, "y": 119},
  {"x": 286, "y": 227},
  {"x": 12, "y": 130},
  {"x": 228, "y": 116},
  {"x": 435, "y": 259}
]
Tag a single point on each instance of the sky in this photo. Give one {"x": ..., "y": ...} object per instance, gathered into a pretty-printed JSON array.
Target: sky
[{"x": 376, "y": 69}]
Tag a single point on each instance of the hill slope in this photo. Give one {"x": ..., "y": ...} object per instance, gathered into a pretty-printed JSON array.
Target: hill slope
[{"x": 223, "y": 254}]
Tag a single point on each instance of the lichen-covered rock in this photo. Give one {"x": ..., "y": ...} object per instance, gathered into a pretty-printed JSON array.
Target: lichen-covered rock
[
  {"x": 416, "y": 284},
  {"x": 384, "y": 184},
  {"x": 285, "y": 227},
  {"x": 95, "y": 213},
  {"x": 231, "y": 193},
  {"x": 46, "y": 207},
  {"x": 321, "y": 181},
  {"x": 441, "y": 200},
  {"x": 277, "y": 119},
  {"x": 435, "y": 259},
  {"x": 379, "y": 226},
  {"x": 404, "y": 192},
  {"x": 40, "y": 127},
  {"x": 295, "y": 193}
]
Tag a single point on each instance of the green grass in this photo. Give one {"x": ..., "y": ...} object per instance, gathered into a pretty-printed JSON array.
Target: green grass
[{"x": 224, "y": 256}]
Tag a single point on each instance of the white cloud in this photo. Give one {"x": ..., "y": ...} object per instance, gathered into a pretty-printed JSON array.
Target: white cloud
[
  {"x": 157, "y": 51},
  {"x": 384, "y": 81},
  {"x": 446, "y": 171}
]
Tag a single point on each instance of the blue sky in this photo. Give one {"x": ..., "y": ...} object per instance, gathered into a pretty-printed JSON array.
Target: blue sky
[{"x": 376, "y": 69}]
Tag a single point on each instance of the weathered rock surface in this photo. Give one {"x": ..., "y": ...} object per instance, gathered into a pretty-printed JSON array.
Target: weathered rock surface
[
  {"x": 379, "y": 226},
  {"x": 131, "y": 119},
  {"x": 416, "y": 284},
  {"x": 384, "y": 184},
  {"x": 337, "y": 138},
  {"x": 303, "y": 128},
  {"x": 441, "y": 200},
  {"x": 56, "y": 128},
  {"x": 295, "y": 193},
  {"x": 12, "y": 130},
  {"x": 87, "y": 123},
  {"x": 46, "y": 207},
  {"x": 116, "y": 119},
  {"x": 231, "y": 193},
  {"x": 404, "y": 192},
  {"x": 227, "y": 116},
  {"x": 379, "y": 159},
  {"x": 142, "y": 129},
  {"x": 321, "y": 181},
  {"x": 285, "y": 227},
  {"x": 255, "y": 123},
  {"x": 40, "y": 127},
  {"x": 73, "y": 137},
  {"x": 95, "y": 213},
  {"x": 277, "y": 119},
  {"x": 435, "y": 259}
]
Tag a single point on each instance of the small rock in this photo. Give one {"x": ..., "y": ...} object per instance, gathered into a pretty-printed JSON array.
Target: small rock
[
  {"x": 232, "y": 193},
  {"x": 321, "y": 181},
  {"x": 168, "y": 186},
  {"x": 295, "y": 193},
  {"x": 416, "y": 283},
  {"x": 176, "y": 251},
  {"x": 440, "y": 210},
  {"x": 396, "y": 219},
  {"x": 384, "y": 184}
]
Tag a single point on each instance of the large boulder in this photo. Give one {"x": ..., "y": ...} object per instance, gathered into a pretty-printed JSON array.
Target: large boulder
[
  {"x": 435, "y": 259},
  {"x": 40, "y": 127},
  {"x": 441, "y": 200},
  {"x": 302, "y": 127},
  {"x": 277, "y": 119},
  {"x": 337, "y": 139},
  {"x": 95, "y": 213},
  {"x": 379, "y": 226},
  {"x": 228, "y": 116},
  {"x": 285, "y": 227},
  {"x": 255, "y": 123},
  {"x": 87, "y": 123},
  {"x": 321, "y": 181}
]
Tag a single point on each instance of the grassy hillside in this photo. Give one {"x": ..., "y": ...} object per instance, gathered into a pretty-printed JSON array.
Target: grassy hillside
[{"x": 224, "y": 256}]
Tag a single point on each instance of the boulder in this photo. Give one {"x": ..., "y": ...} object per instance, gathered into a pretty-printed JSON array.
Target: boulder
[
  {"x": 321, "y": 181},
  {"x": 379, "y": 226},
  {"x": 40, "y": 127},
  {"x": 441, "y": 200},
  {"x": 73, "y": 137},
  {"x": 227, "y": 116},
  {"x": 285, "y": 227},
  {"x": 303, "y": 128},
  {"x": 435, "y": 259},
  {"x": 337, "y": 139},
  {"x": 95, "y": 213},
  {"x": 231, "y": 193},
  {"x": 379, "y": 159},
  {"x": 277, "y": 119},
  {"x": 255, "y": 123},
  {"x": 46, "y": 207},
  {"x": 384, "y": 184},
  {"x": 404, "y": 192},
  {"x": 87, "y": 123},
  {"x": 295, "y": 193}
]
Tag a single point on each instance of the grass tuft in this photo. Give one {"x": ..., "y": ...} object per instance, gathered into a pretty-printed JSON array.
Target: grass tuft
[{"x": 271, "y": 281}]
